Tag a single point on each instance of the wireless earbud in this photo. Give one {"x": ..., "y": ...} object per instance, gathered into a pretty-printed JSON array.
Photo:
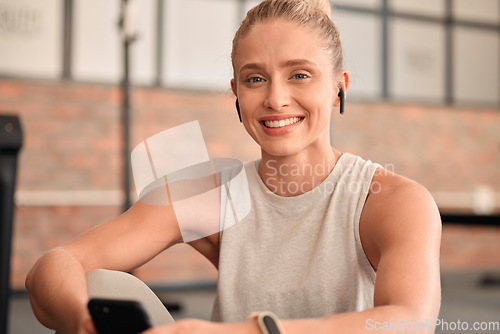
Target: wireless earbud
[
  {"x": 238, "y": 110},
  {"x": 342, "y": 100}
]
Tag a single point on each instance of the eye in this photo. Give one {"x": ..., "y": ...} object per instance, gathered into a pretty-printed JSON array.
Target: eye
[
  {"x": 255, "y": 80},
  {"x": 300, "y": 76}
]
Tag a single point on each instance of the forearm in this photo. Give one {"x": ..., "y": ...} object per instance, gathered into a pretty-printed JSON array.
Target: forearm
[
  {"x": 390, "y": 319},
  {"x": 57, "y": 289}
]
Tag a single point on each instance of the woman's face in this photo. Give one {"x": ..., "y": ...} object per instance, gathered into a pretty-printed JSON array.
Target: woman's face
[{"x": 285, "y": 86}]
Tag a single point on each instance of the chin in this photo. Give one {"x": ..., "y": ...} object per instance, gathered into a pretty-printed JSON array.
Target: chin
[{"x": 281, "y": 150}]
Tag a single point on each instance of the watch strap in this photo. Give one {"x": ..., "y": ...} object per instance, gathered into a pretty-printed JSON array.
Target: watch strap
[{"x": 268, "y": 322}]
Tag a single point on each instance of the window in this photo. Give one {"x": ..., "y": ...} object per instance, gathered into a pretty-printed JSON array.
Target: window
[{"x": 30, "y": 38}]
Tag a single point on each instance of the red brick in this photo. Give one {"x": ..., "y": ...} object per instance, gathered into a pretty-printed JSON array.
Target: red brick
[{"x": 73, "y": 142}]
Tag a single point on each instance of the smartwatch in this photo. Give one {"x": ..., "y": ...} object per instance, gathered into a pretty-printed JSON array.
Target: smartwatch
[{"x": 268, "y": 322}]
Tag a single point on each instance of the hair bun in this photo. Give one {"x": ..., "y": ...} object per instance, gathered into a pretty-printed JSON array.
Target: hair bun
[{"x": 323, "y": 5}]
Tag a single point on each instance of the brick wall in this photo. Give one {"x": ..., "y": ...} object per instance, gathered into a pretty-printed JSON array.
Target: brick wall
[{"x": 69, "y": 175}]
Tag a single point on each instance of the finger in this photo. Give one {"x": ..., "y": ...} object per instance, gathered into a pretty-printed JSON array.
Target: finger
[
  {"x": 89, "y": 327},
  {"x": 164, "y": 329}
]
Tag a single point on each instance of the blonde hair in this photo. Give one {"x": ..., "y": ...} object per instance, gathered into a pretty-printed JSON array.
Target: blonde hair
[
  {"x": 324, "y": 5},
  {"x": 314, "y": 14}
]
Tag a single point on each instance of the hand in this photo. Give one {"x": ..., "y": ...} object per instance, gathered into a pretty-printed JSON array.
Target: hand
[
  {"x": 195, "y": 326},
  {"x": 87, "y": 326},
  {"x": 83, "y": 325},
  {"x": 187, "y": 326}
]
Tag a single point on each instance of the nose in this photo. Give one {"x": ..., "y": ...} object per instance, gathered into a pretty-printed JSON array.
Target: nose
[{"x": 278, "y": 96}]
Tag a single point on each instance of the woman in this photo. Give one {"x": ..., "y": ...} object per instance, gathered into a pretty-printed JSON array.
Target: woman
[{"x": 333, "y": 243}]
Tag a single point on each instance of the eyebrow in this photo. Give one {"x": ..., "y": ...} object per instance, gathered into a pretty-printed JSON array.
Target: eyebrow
[
  {"x": 295, "y": 62},
  {"x": 287, "y": 63},
  {"x": 251, "y": 66}
]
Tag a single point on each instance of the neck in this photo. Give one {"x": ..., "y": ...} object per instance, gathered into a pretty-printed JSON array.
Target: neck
[{"x": 298, "y": 173}]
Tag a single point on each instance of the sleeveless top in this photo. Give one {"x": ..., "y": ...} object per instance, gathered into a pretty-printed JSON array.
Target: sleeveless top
[{"x": 299, "y": 257}]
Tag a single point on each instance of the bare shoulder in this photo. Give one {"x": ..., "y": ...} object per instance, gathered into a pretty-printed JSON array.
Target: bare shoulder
[
  {"x": 390, "y": 190},
  {"x": 397, "y": 212}
]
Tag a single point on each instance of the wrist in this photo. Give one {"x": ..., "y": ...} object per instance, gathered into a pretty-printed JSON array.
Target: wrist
[
  {"x": 70, "y": 321},
  {"x": 248, "y": 327},
  {"x": 81, "y": 321},
  {"x": 268, "y": 322}
]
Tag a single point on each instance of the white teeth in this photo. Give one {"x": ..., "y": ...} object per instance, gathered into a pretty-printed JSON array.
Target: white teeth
[{"x": 282, "y": 123}]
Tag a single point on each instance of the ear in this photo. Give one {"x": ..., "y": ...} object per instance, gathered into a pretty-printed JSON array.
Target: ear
[
  {"x": 343, "y": 82},
  {"x": 233, "y": 87}
]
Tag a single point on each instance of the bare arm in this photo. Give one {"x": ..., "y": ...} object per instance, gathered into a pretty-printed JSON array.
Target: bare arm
[
  {"x": 401, "y": 233},
  {"x": 401, "y": 230},
  {"x": 56, "y": 284}
]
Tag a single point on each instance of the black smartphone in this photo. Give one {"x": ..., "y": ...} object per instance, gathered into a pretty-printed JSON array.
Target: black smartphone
[{"x": 113, "y": 316}]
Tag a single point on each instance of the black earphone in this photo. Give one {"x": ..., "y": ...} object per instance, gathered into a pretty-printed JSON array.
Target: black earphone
[
  {"x": 341, "y": 96},
  {"x": 238, "y": 109},
  {"x": 342, "y": 100}
]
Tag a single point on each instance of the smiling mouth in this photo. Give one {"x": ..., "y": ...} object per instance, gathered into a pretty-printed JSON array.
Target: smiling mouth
[{"x": 282, "y": 122}]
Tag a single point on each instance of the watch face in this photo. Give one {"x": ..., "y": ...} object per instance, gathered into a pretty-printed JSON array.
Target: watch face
[{"x": 271, "y": 326}]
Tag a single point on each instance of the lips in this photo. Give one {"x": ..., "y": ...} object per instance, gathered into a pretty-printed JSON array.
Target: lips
[
  {"x": 280, "y": 123},
  {"x": 277, "y": 126}
]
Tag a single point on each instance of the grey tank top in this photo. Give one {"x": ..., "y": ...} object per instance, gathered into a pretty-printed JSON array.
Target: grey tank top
[{"x": 299, "y": 257}]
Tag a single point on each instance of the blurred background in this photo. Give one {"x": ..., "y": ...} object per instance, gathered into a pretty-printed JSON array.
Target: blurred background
[{"x": 424, "y": 102}]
